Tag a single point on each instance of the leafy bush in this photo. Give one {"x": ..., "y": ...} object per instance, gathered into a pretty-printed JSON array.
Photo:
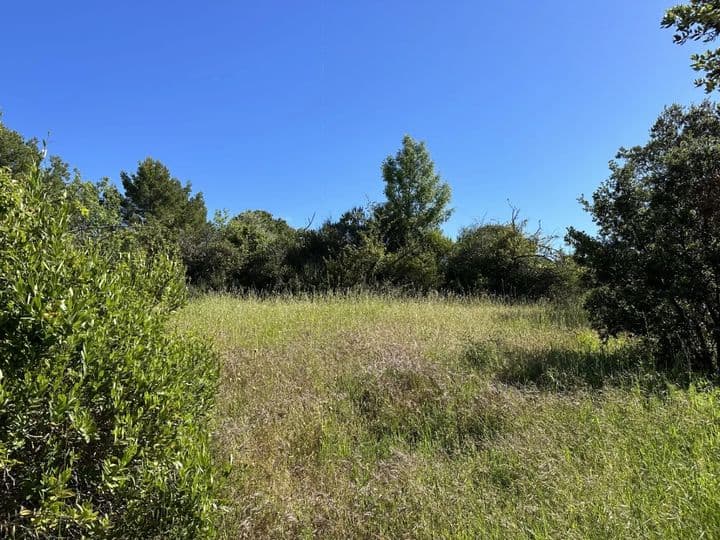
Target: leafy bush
[
  {"x": 103, "y": 412},
  {"x": 655, "y": 264},
  {"x": 264, "y": 242},
  {"x": 419, "y": 265},
  {"x": 503, "y": 259}
]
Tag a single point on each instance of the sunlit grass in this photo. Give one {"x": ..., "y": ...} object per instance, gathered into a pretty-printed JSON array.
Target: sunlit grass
[{"x": 363, "y": 416}]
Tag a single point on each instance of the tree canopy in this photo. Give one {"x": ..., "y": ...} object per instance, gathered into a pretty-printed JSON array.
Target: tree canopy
[
  {"x": 698, "y": 20},
  {"x": 153, "y": 195},
  {"x": 397, "y": 242},
  {"x": 655, "y": 263},
  {"x": 417, "y": 198}
]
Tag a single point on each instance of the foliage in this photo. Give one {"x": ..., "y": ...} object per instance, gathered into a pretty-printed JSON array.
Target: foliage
[
  {"x": 504, "y": 259},
  {"x": 655, "y": 264},
  {"x": 420, "y": 264},
  {"x": 17, "y": 154},
  {"x": 210, "y": 257},
  {"x": 698, "y": 20},
  {"x": 103, "y": 412},
  {"x": 351, "y": 250},
  {"x": 397, "y": 243},
  {"x": 20, "y": 156},
  {"x": 417, "y": 198},
  {"x": 263, "y": 243},
  {"x": 153, "y": 195},
  {"x": 158, "y": 203},
  {"x": 96, "y": 206}
]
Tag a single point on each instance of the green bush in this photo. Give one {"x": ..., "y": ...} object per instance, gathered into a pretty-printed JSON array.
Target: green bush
[
  {"x": 505, "y": 260},
  {"x": 103, "y": 411},
  {"x": 654, "y": 265}
]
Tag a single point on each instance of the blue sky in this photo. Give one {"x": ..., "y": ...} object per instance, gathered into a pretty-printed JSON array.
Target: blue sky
[{"x": 291, "y": 106}]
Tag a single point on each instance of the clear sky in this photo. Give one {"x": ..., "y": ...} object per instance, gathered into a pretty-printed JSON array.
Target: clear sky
[{"x": 291, "y": 106}]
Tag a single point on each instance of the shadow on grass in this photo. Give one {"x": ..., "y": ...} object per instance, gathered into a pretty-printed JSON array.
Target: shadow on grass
[
  {"x": 620, "y": 363},
  {"x": 418, "y": 408}
]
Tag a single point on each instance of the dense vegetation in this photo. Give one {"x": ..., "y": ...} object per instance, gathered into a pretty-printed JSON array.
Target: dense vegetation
[
  {"x": 345, "y": 414},
  {"x": 655, "y": 267},
  {"x": 698, "y": 20},
  {"x": 396, "y": 243},
  {"x": 104, "y": 415}
]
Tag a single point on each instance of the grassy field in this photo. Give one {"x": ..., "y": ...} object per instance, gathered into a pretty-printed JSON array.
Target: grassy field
[{"x": 370, "y": 417}]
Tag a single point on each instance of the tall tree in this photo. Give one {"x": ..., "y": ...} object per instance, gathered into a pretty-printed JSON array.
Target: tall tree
[
  {"x": 655, "y": 263},
  {"x": 154, "y": 196},
  {"x": 21, "y": 155},
  {"x": 417, "y": 198},
  {"x": 698, "y": 20}
]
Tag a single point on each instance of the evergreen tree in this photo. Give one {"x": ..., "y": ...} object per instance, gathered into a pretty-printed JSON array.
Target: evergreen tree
[
  {"x": 153, "y": 196},
  {"x": 417, "y": 198}
]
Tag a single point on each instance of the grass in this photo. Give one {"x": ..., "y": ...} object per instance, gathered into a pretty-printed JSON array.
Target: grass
[{"x": 370, "y": 417}]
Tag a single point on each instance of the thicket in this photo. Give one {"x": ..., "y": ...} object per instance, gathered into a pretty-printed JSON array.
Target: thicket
[
  {"x": 654, "y": 267},
  {"x": 397, "y": 243},
  {"x": 104, "y": 413}
]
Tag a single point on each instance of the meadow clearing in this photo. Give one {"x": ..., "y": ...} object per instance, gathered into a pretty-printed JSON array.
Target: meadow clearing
[{"x": 378, "y": 417}]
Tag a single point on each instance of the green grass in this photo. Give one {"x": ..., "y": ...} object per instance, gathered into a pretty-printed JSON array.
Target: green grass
[{"x": 369, "y": 417}]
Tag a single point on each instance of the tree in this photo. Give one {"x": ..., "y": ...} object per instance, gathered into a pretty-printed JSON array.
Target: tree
[
  {"x": 419, "y": 265},
  {"x": 210, "y": 258},
  {"x": 171, "y": 218},
  {"x": 20, "y": 156},
  {"x": 698, "y": 20},
  {"x": 655, "y": 264},
  {"x": 417, "y": 198},
  {"x": 97, "y": 205},
  {"x": 264, "y": 244},
  {"x": 17, "y": 154},
  {"x": 354, "y": 251},
  {"x": 504, "y": 259},
  {"x": 152, "y": 195},
  {"x": 339, "y": 254}
]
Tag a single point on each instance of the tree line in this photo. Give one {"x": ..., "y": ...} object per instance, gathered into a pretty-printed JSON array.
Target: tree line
[{"x": 396, "y": 243}]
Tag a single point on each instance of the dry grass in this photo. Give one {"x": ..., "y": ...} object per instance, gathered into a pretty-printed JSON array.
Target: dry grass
[{"x": 368, "y": 417}]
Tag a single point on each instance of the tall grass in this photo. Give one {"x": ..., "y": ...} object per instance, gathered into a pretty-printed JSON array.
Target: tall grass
[{"x": 377, "y": 417}]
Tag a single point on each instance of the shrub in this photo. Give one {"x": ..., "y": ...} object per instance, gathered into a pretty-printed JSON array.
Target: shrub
[
  {"x": 103, "y": 412},
  {"x": 655, "y": 264},
  {"x": 505, "y": 260},
  {"x": 263, "y": 244}
]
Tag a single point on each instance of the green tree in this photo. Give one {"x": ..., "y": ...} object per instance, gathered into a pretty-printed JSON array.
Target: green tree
[
  {"x": 167, "y": 216},
  {"x": 17, "y": 155},
  {"x": 420, "y": 264},
  {"x": 317, "y": 250},
  {"x": 655, "y": 263},
  {"x": 97, "y": 205},
  {"x": 698, "y": 20},
  {"x": 153, "y": 196},
  {"x": 264, "y": 245},
  {"x": 417, "y": 198},
  {"x": 211, "y": 258},
  {"x": 354, "y": 253},
  {"x": 20, "y": 156}
]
